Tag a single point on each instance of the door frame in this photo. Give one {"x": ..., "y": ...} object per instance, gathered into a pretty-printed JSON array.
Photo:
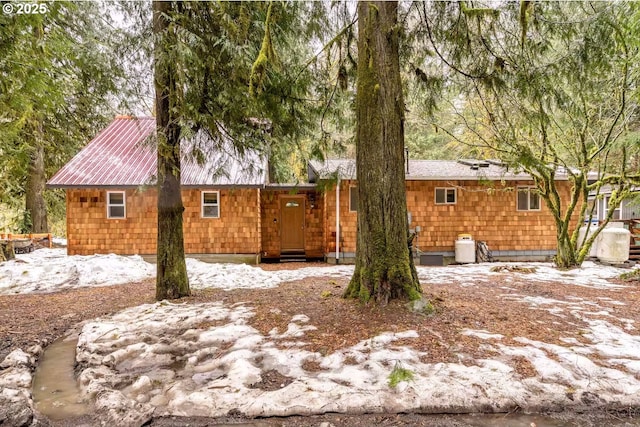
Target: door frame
[{"x": 302, "y": 199}]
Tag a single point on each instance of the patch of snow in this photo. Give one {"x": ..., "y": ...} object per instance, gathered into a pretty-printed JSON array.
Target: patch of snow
[
  {"x": 590, "y": 275},
  {"x": 51, "y": 270},
  {"x": 214, "y": 368},
  {"x": 482, "y": 334},
  {"x": 60, "y": 241}
]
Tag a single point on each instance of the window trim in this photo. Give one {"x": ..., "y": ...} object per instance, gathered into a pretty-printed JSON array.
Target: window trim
[
  {"x": 607, "y": 198},
  {"x": 446, "y": 191},
  {"x": 123, "y": 205},
  {"x": 529, "y": 189},
  {"x": 351, "y": 208},
  {"x": 203, "y": 205},
  {"x": 596, "y": 210}
]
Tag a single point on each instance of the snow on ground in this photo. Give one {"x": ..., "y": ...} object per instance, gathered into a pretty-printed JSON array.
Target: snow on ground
[
  {"x": 237, "y": 276},
  {"x": 205, "y": 360},
  {"x": 60, "y": 241},
  {"x": 51, "y": 270},
  {"x": 589, "y": 275}
]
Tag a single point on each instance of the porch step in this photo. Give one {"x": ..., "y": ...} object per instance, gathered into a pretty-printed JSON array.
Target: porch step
[
  {"x": 293, "y": 257},
  {"x": 634, "y": 252}
]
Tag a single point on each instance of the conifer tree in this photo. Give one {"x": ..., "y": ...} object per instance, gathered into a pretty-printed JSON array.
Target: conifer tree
[
  {"x": 384, "y": 269},
  {"x": 59, "y": 78}
]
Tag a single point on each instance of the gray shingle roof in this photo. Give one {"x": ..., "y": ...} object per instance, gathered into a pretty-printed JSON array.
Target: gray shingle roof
[{"x": 435, "y": 170}]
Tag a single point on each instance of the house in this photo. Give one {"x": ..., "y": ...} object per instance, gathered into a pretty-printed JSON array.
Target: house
[
  {"x": 233, "y": 213},
  {"x": 628, "y": 208},
  {"x": 626, "y": 214},
  {"x": 446, "y": 199}
]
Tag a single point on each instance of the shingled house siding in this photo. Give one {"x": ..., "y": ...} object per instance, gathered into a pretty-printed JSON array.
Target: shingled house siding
[
  {"x": 348, "y": 219},
  {"x": 237, "y": 231},
  {"x": 314, "y": 225},
  {"x": 491, "y": 216},
  {"x": 89, "y": 231}
]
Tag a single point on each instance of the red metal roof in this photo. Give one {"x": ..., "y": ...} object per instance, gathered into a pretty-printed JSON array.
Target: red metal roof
[{"x": 124, "y": 155}]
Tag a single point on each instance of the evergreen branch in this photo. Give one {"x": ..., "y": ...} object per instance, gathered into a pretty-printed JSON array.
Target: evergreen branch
[{"x": 441, "y": 56}]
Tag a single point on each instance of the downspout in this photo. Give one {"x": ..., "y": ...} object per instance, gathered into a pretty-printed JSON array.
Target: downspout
[{"x": 338, "y": 221}]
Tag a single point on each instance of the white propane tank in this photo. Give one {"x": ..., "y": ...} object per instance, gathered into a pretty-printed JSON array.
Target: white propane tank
[
  {"x": 613, "y": 245},
  {"x": 465, "y": 249},
  {"x": 593, "y": 251}
]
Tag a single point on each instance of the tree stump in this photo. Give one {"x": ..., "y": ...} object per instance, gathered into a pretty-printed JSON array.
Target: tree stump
[{"x": 6, "y": 250}]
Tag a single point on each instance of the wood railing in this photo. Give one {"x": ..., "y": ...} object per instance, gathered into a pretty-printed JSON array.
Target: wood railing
[
  {"x": 30, "y": 236},
  {"x": 633, "y": 225}
]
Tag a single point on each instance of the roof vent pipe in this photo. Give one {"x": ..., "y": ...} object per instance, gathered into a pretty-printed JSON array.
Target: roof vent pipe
[{"x": 406, "y": 158}]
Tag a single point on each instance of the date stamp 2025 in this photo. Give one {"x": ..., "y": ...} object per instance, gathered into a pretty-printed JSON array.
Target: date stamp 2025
[{"x": 24, "y": 8}]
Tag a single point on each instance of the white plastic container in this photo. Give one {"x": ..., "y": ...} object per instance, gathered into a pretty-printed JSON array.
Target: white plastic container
[
  {"x": 593, "y": 251},
  {"x": 613, "y": 245},
  {"x": 465, "y": 249}
]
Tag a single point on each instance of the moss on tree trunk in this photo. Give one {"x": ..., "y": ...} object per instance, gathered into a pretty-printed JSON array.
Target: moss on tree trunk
[
  {"x": 171, "y": 280},
  {"x": 383, "y": 268},
  {"x": 35, "y": 204}
]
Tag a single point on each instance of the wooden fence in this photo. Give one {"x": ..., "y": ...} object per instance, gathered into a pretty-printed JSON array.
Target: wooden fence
[{"x": 31, "y": 236}]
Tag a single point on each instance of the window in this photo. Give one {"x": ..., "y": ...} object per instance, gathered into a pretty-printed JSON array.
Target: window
[
  {"x": 593, "y": 211},
  {"x": 116, "y": 207},
  {"x": 445, "y": 196},
  {"x": 210, "y": 204},
  {"x": 607, "y": 207},
  {"x": 353, "y": 199},
  {"x": 528, "y": 199}
]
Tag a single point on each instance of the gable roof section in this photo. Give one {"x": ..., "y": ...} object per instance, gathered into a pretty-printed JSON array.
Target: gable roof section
[
  {"x": 429, "y": 170},
  {"x": 124, "y": 155}
]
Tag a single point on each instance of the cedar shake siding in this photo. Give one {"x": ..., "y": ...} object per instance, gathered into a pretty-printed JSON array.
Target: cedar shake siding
[
  {"x": 488, "y": 215},
  {"x": 272, "y": 223},
  {"x": 348, "y": 219},
  {"x": 89, "y": 231},
  {"x": 247, "y": 215}
]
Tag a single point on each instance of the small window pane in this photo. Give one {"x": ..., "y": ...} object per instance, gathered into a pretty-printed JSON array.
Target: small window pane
[
  {"x": 451, "y": 196},
  {"x": 210, "y": 198},
  {"x": 116, "y": 212},
  {"x": 523, "y": 199},
  {"x": 211, "y": 211},
  {"x": 292, "y": 204},
  {"x": 210, "y": 204},
  {"x": 534, "y": 201},
  {"x": 592, "y": 211},
  {"x": 116, "y": 204},
  {"x": 445, "y": 196},
  {"x": 116, "y": 198},
  {"x": 353, "y": 199}
]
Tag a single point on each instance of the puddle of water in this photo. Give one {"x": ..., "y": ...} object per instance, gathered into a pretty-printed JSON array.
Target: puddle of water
[{"x": 55, "y": 390}]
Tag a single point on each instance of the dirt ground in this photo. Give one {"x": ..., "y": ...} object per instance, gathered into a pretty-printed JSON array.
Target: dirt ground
[{"x": 26, "y": 320}]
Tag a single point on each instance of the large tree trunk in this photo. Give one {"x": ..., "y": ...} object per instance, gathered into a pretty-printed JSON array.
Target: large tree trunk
[
  {"x": 171, "y": 280},
  {"x": 383, "y": 268},
  {"x": 566, "y": 256},
  {"x": 34, "y": 195}
]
